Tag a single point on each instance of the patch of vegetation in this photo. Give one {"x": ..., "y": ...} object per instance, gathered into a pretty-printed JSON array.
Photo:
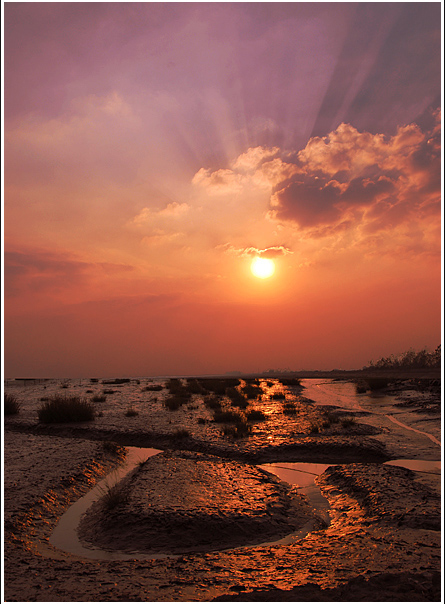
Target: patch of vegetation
[
  {"x": 201, "y": 420},
  {"x": 87, "y": 391},
  {"x": 99, "y": 398},
  {"x": 113, "y": 448},
  {"x": 212, "y": 402},
  {"x": 194, "y": 387},
  {"x": 94, "y": 380},
  {"x": 178, "y": 390},
  {"x": 348, "y": 422},
  {"x": 276, "y": 396},
  {"x": 60, "y": 409},
  {"x": 289, "y": 408},
  {"x": 131, "y": 412},
  {"x": 255, "y": 415},
  {"x": 108, "y": 391},
  {"x": 117, "y": 381},
  {"x": 361, "y": 387},
  {"x": 152, "y": 388},
  {"x": 295, "y": 382},
  {"x": 240, "y": 430},
  {"x": 237, "y": 398},
  {"x": 174, "y": 402},
  {"x": 227, "y": 417},
  {"x": 377, "y": 383},
  {"x": 218, "y": 386},
  {"x": 11, "y": 405},
  {"x": 116, "y": 495},
  {"x": 409, "y": 360},
  {"x": 252, "y": 391}
]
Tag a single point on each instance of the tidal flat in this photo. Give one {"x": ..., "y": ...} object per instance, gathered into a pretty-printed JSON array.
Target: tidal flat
[{"x": 207, "y": 517}]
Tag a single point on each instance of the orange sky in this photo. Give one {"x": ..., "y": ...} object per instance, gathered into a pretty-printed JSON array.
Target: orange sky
[{"x": 136, "y": 197}]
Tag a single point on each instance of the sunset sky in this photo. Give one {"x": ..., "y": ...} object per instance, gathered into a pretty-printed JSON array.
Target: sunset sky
[{"x": 153, "y": 150}]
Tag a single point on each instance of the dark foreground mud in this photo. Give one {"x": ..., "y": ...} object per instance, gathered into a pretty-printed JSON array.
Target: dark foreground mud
[{"x": 189, "y": 502}]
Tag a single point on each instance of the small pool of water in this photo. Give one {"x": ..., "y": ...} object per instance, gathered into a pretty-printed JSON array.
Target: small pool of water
[
  {"x": 418, "y": 465},
  {"x": 65, "y": 536}
]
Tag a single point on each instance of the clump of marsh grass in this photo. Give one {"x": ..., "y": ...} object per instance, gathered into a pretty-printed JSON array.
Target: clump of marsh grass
[
  {"x": 377, "y": 383},
  {"x": 99, "y": 398},
  {"x": 173, "y": 403},
  {"x": 240, "y": 430},
  {"x": 289, "y": 408},
  {"x": 116, "y": 495},
  {"x": 348, "y": 422},
  {"x": 114, "y": 448},
  {"x": 277, "y": 396},
  {"x": 60, "y": 409},
  {"x": 212, "y": 402},
  {"x": 361, "y": 387},
  {"x": 237, "y": 398},
  {"x": 227, "y": 417},
  {"x": 108, "y": 391},
  {"x": 294, "y": 382},
  {"x": 11, "y": 405},
  {"x": 131, "y": 412},
  {"x": 152, "y": 388},
  {"x": 218, "y": 386},
  {"x": 252, "y": 390},
  {"x": 255, "y": 415}
]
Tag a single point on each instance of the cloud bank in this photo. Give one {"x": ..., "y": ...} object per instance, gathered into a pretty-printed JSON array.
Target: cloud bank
[{"x": 343, "y": 181}]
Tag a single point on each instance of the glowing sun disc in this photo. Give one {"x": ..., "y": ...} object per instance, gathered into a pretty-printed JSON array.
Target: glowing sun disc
[{"x": 262, "y": 267}]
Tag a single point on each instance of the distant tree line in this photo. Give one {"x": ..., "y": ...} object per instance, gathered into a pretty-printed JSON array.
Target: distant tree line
[{"x": 409, "y": 360}]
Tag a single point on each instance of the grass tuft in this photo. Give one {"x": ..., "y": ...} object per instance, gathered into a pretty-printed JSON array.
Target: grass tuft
[
  {"x": 240, "y": 430},
  {"x": 113, "y": 448},
  {"x": 131, "y": 412},
  {"x": 11, "y": 405},
  {"x": 255, "y": 415},
  {"x": 289, "y": 408},
  {"x": 227, "y": 417},
  {"x": 213, "y": 402},
  {"x": 59, "y": 409},
  {"x": 174, "y": 402},
  {"x": 116, "y": 495},
  {"x": 99, "y": 398},
  {"x": 153, "y": 388},
  {"x": 348, "y": 422}
]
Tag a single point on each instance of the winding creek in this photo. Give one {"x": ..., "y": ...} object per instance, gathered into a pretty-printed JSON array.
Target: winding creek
[{"x": 65, "y": 537}]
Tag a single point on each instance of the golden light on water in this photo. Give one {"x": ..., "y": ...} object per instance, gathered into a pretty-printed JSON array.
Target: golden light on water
[{"x": 262, "y": 267}]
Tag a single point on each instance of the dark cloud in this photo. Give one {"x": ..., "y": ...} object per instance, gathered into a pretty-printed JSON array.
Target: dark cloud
[{"x": 356, "y": 173}]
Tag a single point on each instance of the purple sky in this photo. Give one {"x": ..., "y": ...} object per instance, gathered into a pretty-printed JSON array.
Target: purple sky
[{"x": 151, "y": 148}]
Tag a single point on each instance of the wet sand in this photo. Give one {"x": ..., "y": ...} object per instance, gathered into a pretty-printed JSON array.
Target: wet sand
[{"x": 383, "y": 542}]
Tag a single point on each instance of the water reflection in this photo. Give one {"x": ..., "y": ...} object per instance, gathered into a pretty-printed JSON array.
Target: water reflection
[{"x": 418, "y": 465}]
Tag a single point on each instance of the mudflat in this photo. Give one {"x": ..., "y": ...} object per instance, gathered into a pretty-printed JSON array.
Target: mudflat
[{"x": 208, "y": 509}]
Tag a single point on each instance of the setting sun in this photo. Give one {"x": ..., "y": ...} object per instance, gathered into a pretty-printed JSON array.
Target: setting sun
[{"x": 262, "y": 267}]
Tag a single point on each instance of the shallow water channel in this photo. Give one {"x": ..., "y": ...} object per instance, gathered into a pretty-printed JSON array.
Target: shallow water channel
[{"x": 302, "y": 475}]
